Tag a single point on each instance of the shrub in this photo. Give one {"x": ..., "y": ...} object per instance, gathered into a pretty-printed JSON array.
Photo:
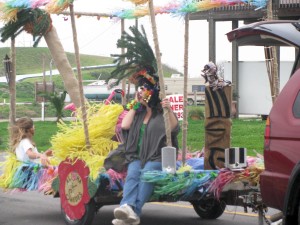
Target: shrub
[{"x": 195, "y": 113}]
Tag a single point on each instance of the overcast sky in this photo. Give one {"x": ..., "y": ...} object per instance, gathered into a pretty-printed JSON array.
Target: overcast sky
[{"x": 99, "y": 37}]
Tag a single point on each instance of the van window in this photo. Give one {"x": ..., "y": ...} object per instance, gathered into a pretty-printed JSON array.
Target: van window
[
  {"x": 296, "y": 106},
  {"x": 198, "y": 88}
]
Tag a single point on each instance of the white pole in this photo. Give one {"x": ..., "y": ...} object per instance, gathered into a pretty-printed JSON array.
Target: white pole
[
  {"x": 43, "y": 111},
  {"x": 51, "y": 70}
]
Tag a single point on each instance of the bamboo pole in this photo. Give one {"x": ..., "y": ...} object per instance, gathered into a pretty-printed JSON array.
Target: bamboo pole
[
  {"x": 185, "y": 80},
  {"x": 122, "y": 53},
  {"x": 274, "y": 60},
  {"x": 160, "y": 70},
  {"x": 12, "y": 84},
  {"x": 269, "y": 64},
  {"x": 82, "y": 99},
  {"x": 86, "y": 14}
]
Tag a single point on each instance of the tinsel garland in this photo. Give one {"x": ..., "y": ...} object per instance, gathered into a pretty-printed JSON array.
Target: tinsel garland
[
  {"x": 225, "y": 177},
  {"x": 18, "y": 176},
  {"x": 57, "y": 6},
  {"x": 181, "y": 8},
  {"x": 250, "y": 176},
  {"x": 180, "y": 185},
  {"x": 9, "y": 167},
  {"x": 9, "y": 9}
]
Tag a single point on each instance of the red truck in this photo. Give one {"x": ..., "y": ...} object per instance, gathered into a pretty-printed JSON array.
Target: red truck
[{"x": 280, "y": 182}]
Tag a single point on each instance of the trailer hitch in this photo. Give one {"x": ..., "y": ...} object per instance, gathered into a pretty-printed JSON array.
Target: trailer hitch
[{"x": 254, "y": 201}]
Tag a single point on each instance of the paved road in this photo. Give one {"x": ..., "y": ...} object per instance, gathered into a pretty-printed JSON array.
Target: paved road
[{"x": 33, "y": 208}]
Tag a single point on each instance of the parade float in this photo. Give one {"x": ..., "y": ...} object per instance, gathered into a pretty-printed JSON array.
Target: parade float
[{"x": 218, "y": 176}]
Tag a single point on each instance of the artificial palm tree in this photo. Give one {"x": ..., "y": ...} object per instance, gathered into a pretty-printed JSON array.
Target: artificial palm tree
[{"x": 38, "y": 23}]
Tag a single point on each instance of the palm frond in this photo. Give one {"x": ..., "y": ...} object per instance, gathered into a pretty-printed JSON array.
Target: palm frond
[
  {"x": 139, "y": 55},
  {"x": 34, "y": 21}
]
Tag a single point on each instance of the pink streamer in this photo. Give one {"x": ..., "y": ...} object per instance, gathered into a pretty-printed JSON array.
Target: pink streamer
[
  {"x": 115, "y": 176},
  {"x": 39, "y": 3},
  {"x": 224, "y": 177},
  {"x": 46, "y": 179}
]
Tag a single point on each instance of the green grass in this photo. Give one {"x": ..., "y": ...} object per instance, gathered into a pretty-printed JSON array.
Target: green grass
[
  {"x": 43, "y": 130},
  {"x": 30, "y": 60},
  {"x": 248, "y": 134},
  {"x": 245, "y": 133}
]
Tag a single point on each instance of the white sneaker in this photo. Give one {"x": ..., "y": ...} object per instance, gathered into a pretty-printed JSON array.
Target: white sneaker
[
  {"x": 125, "y": 213},
  {"x": 118, "y": 222},
  {"x": 122, "y": 222},
  {"x": 136, "y": 221}
]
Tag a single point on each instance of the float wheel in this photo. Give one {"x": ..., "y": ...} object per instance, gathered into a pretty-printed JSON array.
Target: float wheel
[
  {"x": 209, "y": 209},
  {"x": 87, "y": 218}
]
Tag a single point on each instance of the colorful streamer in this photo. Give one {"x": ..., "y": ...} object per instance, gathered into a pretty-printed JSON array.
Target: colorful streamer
[
  {"x": 9, "y": 8},
  {"x": 18, "y": 176}
]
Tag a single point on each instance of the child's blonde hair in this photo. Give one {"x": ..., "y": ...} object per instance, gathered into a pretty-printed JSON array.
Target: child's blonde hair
[{"x": 19, "y": 131}]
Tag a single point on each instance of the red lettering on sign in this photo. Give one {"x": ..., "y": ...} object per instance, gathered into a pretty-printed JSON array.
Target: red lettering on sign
[{"x": 180, "y": 98}]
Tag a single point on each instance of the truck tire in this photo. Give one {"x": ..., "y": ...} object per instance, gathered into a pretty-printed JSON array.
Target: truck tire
[
  {"x": 299, "y": 214},
  {"x": 190, "y": 101},
  {"x": 87, "y": 219},
  {"x": 209, "y": 209}
]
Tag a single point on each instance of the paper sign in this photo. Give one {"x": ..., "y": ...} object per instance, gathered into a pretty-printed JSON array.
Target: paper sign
[{"x": 177, "y": 105}]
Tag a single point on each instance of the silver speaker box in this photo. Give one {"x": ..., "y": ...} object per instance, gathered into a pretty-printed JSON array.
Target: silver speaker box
[
  {"x": 168, "y": 159},
  {"x": 235, "y": 158}
]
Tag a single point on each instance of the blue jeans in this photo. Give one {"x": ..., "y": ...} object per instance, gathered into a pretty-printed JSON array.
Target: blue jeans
[{"x": 136, "y": 193}]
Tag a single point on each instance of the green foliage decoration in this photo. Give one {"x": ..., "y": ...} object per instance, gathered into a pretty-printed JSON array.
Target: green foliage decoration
[
  {"x": 92, "y": 188},
  {"x": 34, "y": 21},
  {"x": 139, "y": 55},
  {"x": 55, "y": 184}
]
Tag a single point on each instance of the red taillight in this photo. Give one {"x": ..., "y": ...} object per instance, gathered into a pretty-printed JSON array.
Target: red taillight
[{"x": 267, "y": 134}]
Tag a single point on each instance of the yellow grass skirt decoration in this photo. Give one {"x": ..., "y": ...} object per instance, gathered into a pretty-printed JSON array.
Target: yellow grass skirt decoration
[
  {"x": 69, "y": 142},
  {"x": 9, "y": 167}
]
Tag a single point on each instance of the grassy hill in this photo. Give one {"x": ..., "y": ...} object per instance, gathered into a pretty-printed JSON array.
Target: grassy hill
[{"x": 32, "y": 60}]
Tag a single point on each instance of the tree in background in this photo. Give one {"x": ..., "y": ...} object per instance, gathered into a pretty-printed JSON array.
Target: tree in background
[{"x": 58, "y": 102}]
